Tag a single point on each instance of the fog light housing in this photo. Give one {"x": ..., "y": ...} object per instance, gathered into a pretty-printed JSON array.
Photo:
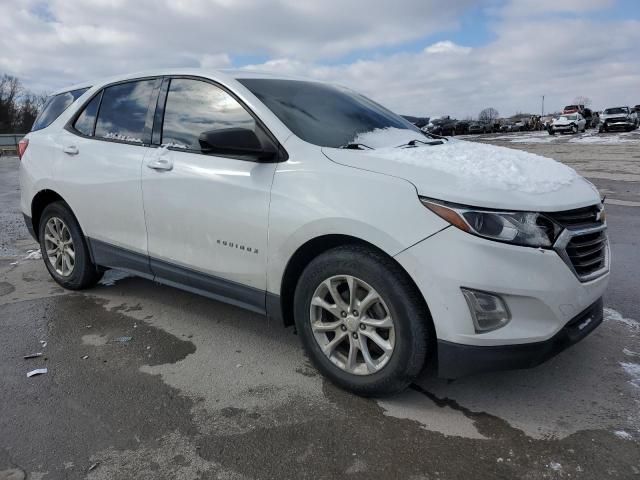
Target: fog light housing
[{"x": 488, "y": 311}]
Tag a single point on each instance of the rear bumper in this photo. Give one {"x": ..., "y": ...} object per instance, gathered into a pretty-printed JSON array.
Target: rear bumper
[{"x": 458, "y": 360}]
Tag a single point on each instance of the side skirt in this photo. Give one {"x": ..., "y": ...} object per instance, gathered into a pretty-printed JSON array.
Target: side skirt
[{"x": 216, "y": 288}]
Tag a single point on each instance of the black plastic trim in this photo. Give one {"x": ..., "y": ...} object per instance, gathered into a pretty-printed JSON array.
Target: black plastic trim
[
  {"x": 249, "y": 298},
  {"x": 29, "y": 223},
  {"x": 458, "y": 360},
  {"x": 210, "y": 286},
  {"x": 107, "y": 255},
  {"x": 273, "y": 306}
]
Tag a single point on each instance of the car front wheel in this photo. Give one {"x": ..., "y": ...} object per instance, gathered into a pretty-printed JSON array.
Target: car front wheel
[{"x": 362, "y": 321}]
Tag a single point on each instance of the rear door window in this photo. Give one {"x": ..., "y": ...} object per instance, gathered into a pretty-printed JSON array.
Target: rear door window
[
  {"x": 54, "y": 106},
  {"x": 123, "y": 112}
]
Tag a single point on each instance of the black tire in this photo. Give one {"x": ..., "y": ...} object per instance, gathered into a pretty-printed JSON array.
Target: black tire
[
  {"x": 84, "y": 273},
  {"x": 412, "y": 322}
]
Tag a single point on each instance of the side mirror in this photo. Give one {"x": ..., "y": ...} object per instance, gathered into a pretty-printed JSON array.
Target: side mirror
[{"x": 237, "y": 141}]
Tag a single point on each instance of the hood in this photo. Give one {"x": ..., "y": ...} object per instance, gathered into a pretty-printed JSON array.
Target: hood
[
  {"x": 563, "y": 121},
  {"x": 477, "y": 174},
  {"x": 614, "y": 115}
]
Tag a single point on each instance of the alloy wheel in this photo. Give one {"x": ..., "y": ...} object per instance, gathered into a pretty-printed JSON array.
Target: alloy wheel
[
  {"x": 352, "y": 325},
  {"x": 59, "y": 248}
]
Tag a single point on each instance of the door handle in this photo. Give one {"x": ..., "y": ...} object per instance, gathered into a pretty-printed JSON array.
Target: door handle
[
  {"x": 71, "y": 150},
  {"x": 160, "y": 164}
]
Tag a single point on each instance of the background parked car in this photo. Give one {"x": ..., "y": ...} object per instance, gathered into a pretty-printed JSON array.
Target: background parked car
[
  {"x": 573, "y": 109},
  {"x": 615, "y": 118},
  {"x": 442, "y": 126},
  {"x": 568, "y": 123},
  {"x": 507, "y": 126},
  {"x": 462, "y": 127},
  {"x": 479, "y": 127},
  {"x": 419, "y": 122}
]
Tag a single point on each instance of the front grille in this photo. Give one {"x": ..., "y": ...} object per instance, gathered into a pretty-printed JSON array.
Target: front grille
[
  {"x": 583, "y": 242},
  {"x": 614, "y": 120},
  {"x": 578, "y": 218},
  {"x": 587, "y": 252}
]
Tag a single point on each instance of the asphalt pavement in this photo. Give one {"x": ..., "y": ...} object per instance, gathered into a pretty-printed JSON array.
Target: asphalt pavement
[{"x": 149, "y": 382}]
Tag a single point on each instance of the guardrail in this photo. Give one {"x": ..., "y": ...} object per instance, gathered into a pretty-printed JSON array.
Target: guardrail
[{"x": 9, "y": 143}]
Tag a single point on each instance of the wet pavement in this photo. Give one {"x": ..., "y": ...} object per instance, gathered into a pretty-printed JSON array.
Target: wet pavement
[{"x": 148, "y": 382}]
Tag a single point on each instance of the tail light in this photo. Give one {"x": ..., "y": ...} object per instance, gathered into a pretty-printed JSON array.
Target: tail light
[{"x": 22, "y": 147}]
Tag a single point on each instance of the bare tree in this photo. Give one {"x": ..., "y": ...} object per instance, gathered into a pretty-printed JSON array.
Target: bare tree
[
  {"x": 10, "y": 89},
  {"x": 582, "y": 100},
  {"x": 18, "y": 106},
  {"x": 488, "y": 115}
]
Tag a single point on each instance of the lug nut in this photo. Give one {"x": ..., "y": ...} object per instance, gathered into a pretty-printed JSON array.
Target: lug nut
[
  {"x": 355, "y": 335},
  {"x": 362, "y": 326},
  {"x": 355, "y": 313},
  {"x": 344, "y": 329},
  {"x": 343, "y": 314}
]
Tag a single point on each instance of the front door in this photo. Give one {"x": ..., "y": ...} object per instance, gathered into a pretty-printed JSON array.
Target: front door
[{"x": 206, "y": 215}]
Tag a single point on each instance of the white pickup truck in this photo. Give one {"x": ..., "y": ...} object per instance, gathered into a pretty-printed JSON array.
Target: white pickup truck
[{"x": 618, "y": 118}]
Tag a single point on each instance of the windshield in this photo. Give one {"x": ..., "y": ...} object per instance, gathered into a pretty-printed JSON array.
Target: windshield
[
  {"x": 610, "y": 111},
  {"x": 322, "y": 114}
]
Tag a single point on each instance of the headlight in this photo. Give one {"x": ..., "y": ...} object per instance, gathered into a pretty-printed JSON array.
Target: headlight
[{"x": 519, "y": 228}]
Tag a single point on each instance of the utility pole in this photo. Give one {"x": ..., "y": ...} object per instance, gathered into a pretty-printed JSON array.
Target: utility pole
[{"x": 542, "y": 106}]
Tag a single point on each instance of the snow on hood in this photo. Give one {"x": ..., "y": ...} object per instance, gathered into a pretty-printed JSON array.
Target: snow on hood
[
  {"x": 472, "y": 173},
  {"x": 387, "y": 137}
]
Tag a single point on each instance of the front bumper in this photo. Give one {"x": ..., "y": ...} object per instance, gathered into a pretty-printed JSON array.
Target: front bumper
[
  {"x": 562, "y": 128},
  {"x": 456, "y": 360},
  {"x": 541, "y": 291},
  {"x": 608, "y": 124}
]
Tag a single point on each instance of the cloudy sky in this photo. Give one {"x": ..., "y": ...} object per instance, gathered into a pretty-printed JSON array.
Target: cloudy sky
[{"x": 419, "y": 57}]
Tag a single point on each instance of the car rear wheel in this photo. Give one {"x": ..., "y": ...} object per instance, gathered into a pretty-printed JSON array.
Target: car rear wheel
[
  {"x": 361, "y": 320},
  {"x": 64, "y": 249}
]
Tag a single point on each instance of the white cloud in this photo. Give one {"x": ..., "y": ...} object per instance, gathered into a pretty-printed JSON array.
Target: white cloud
[
  {"x": 533, "y": 51},
  {"x": 446, "y": 47},
  {"x": 528, "y": 8}
]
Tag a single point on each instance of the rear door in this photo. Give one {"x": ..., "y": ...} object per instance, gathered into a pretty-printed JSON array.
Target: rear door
[
  {"x": 99, "y": 171},
  {"x": 206, "y": 214}
]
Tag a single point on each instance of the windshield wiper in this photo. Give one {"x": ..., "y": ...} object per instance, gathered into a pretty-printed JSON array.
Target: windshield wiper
[
  {"x": 413, "y": 143},
  {"x": 356, "y": 146}
]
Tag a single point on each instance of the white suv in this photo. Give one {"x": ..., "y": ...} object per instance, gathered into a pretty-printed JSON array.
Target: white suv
[{"x": 388, "y": 248}]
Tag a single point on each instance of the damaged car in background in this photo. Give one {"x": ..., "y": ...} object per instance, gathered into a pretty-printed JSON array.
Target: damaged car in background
[
  {"x": 622, "y": 118},
  {"x": 568, "y": 123}
]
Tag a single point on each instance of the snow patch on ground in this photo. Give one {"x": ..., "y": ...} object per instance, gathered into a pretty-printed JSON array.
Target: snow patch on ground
[
  {"x": 33, "y": 254},
  {"x": 555, "y": 466},
  {"x": 633, "y": 370},
  {"x": 599, "y": 139},
  {"x": 592, "y": 137},
  {"x": 481, "y": 164},
  {"x": 623, "y": 435},
  {"x": 111, "y": 277},
  {"x": 612, "y": 315}
]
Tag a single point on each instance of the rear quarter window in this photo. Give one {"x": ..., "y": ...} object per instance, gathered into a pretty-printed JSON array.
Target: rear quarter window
[{"x": 54, "y": 107}]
